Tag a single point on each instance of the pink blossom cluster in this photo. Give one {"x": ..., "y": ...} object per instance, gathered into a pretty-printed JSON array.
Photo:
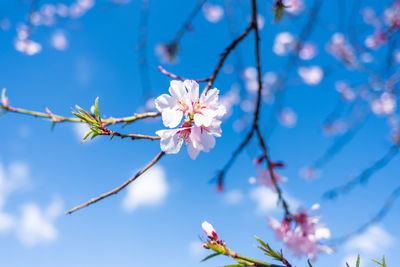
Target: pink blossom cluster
[
  {"x": 202, "y": 118},
  {"x": 47, "y": 15},
  {"x": 308, "y": 51},
  {"x": 302, "y": 233},
  {"x": 385, "y": 104},
  {"x": 24, "y": 44},
  {"x": 283, "y": 43},
  {"x": 311, "y": 75},
  {"x": 341, "y": 50},
  {"x": 345, "y": 90},
  {"x": 383, "y": 27},
  {"x": 264, "y": 174}
]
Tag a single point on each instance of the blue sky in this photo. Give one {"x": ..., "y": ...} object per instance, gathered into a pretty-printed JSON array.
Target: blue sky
[{"x": 43, "y": 173}]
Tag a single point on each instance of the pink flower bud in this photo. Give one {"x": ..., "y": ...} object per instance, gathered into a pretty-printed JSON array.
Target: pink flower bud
[
  {"x": 209, "y": 230},
  {"x": 5, "y": 101},
  {"x": 277, "y": 165},
  {"x": 4, "y": 98},
  {"x": 258, "y": 160}
]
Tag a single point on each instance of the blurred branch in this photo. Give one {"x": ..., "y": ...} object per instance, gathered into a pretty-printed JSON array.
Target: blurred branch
[
  {"x": 378, "y": 217},
  {"x": 364, "y": 176}
]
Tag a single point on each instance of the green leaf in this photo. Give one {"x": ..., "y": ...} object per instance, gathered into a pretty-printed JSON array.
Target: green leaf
[
  {"x": 86, "y": 135},
  {"x": 268, "y": 250},
  {"x": 85, "y": 119},
  {"x": 358, "y": 261},
  {"x": 84, "y": 112},
  {"x": 96, "y": 109},
  {"x": 210, "y": 256},
  {"x": 383, "y": 264},
  {"x": 234, "y": 265}
]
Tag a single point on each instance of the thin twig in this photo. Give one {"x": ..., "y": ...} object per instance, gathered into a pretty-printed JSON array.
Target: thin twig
[
  {"x": 58, "y": 118},
  {"x": 364, "y": 176},
  {"x": 271, "y": 172},
  {"x": 116, "y": 190},
  {"x": 174, "y": 76},
  {"x": 224, "y": 55},
  {"x": 378, "y": 217}
]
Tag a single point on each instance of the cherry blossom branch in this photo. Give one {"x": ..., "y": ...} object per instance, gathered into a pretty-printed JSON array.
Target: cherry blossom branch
[
  {"x": 272, "y": 173},
  {"x": 225, "y": 54},
  {"x": 291, "y": 62},
  {"x": 364, "y": 176},
  {"x": 255, "y": 126},
  {"x": 340, "y": 142},
  {"x": 142, "y": 50},
  {"x": 174, "y": 76},
  {"x": 4, "y": 105},
  {"x": 188, "y": 21},
  {"x": 119, "y": 188},
  {"x": 220, "y": 248},
  {"x": 230, "y": 15},
  {"x": 105, "y": 131}
]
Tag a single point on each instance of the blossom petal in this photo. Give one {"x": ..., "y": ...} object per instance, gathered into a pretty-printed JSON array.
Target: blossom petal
[
  {"x": 164, "y": 101},
  {"x": 210, "y": 98},
  {"x": 177, "y": 89},
  {"x": 215, "y": 128},
  {"x": 170, "y": 142},
  {"x": 195, "y": 137},
  {"x": 192, "y": 151},
  {"x": 208, "y": 141},
  {"x": 202, "y": 120},
  {"x": 171, "y": 117},
  {"x": 193, "y": 89}
]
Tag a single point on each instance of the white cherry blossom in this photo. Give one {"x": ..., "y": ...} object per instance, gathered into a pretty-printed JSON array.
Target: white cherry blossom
[{"x": 202, "y": 118}]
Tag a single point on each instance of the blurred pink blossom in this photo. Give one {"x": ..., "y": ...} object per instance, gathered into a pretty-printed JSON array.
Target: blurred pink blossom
[
  {"x": 302, "y": 233},
  {"x": 294, "y": 7},
  {"x": 283, "y": 43},
  {"x": 287, "y": 117},
  {"x": 308, "y": 51},
  {"x": 59, "y": 41},
  {"x": 385, "y": 104},
  {"x": 311, "y": 75},
  {"x": 213, "y": 13},
  {"x": 340, "y": 49},
  {"x": 264, "y": 177}
]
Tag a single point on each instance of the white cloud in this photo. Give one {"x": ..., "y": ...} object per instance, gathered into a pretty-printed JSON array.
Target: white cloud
[
  {"x": 371, "y": 244},
  {"x": 375, "y": 240},
  {"x": 196, "y": 248},
  {"x": 36, "y": 225},
  {"x": 14, "y": 179},
  {"x": 33, "y": 225},
  {"x": 267, "y": 200},
  {"x": 233, "y": 197},
  {"x": 150, "y": 189},
  {"x": 6, "y": 222}
]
